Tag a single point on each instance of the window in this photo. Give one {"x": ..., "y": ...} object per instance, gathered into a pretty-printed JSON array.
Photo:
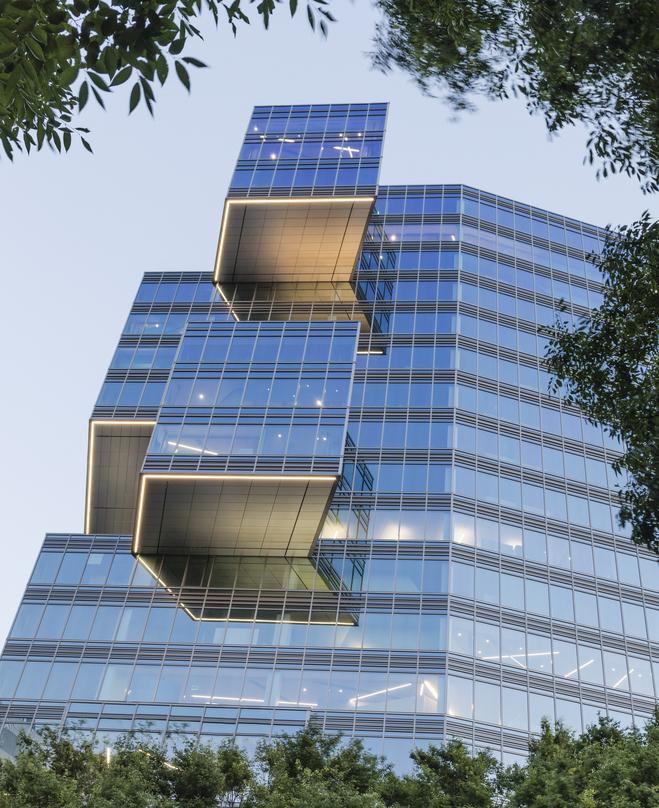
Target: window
[
  {"x": 32, "y": 680},
  {"x": 46, "y": 568},
  {"x": 488, "y": 534},
  {"x": 511, "y": 540},
  {"x": 79, "y": 623},
  {"x": 143, "y": 683},
  {"x": 585, "y": 609},
  {"x": 131, "y": 625},
  {"x": 540, "y": 707},
  {"x": 487, "y": 585},
  {"x": 640, "y": 676},
  {"x": 559, "y": 552},
  {"x": 172, "y": 683},
  {"x": 628, "y": 569},
  {"x": 487, "y": 642},
  {"x": 513, "y": 647},
  {"x": 105, "y": 623},
  {"x": 463, "y": 529},
  {"x": 634, "y": 619},
  {"x": 512, "y": 592},
  {"x": 461, "y": 636},
  {"x": 27, "y": 620},
  {"x": 88, "y": 681},
  {"x": 432, "y": 632},
  {"x": 610, "y": 617},
  {"x": 565, "y": 660},
  {"x": 462, "y": 580},
  {"x": 615, "y": 671},
  {"x": 561, "y": 603},
  {"x": 121, "y": 570},
  {"x": 460, "y": 700},
  {"x": 582, "y": 558},
  {"x": 60, "y": 680},
  {"x": 539, "y": 653},
  {"x": 53, "y": 621},
  {"x": 590, "y": 665},
  {"x": 487, "y": 703},
  {"x": 515, "y": 708},
  {"x": 159, "y": 624},
  {"x": 404, "y": 630},
  {"x": 537, "y": 597},
  {"x": 376, "y": 629},
  {"x": 569, "y": 713},
  {"x": 10, "y": 672},
  {"x": 115, "y": 682},
  {"x": 71, "y": 569}
]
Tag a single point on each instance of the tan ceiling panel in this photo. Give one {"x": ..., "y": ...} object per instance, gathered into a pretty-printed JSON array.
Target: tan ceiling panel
[
  {"x": 115, "y": 457},
  {"x": 230, "y": 515},
  {"x": 291, "y": 239}
]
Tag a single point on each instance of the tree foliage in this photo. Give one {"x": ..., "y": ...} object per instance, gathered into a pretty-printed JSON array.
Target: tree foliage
[
  {"x": 608, "y": 365},
  {"x": 313, "y": 770},
  {"x": 604, "y": 766},
  {"x": 54, "y": 771},
  {"x": 448, "y": 778},
  {"x": 589, "y": 61},
  {"x": 57, "y": 54}
]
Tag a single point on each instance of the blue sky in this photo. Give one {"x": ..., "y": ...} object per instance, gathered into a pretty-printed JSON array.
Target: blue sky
[{"x": 78, "y": 231}]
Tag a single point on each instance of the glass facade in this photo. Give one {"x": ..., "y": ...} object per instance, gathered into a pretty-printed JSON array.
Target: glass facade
[
  {"x": 316, "y": 150},
  {"x": 463, "y": 574}
]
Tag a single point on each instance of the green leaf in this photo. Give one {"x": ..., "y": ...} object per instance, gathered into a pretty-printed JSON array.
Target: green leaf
[
  {"x": 98, "y": 98},
  {"x": 40, "y": 35},
  {"x": 68, "y": 76},
  {"x": 134, "y": 97},
  {"x": 177, "y": 46},
  {"x": 35, "y": 47},
  {"x": 83, "y": 95},
  {"x": 147, "y": 92},
  {"x": 99, "y": 82},
  {"x": 6, "y": 145},
  {"x": 111, "y": 60},
  {"x": 122, "y": 76},
  {"x": 86, "y": 145},
  {"x": 311, "y": 18},
  {"x": 182, "y": 73},
  {"x": 147, "y": 69},
  {"x": 194, "y": 62},
  {"x": 162, "y": 69}
]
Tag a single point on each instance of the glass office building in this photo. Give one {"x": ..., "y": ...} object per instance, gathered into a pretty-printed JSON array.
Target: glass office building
[{"x": 327, "y": 482}]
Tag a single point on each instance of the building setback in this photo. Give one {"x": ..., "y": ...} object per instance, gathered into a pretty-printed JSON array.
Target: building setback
[{"x": 327, "y": 482}]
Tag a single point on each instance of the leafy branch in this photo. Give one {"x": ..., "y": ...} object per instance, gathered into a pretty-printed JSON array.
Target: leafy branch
[
  {"x": 608, "y": 366},
  {"x": 594, "y": 62},
  {"x": 56, "y": 55}
]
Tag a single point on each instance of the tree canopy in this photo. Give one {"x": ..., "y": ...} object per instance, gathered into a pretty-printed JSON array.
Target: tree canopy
[
  {"x": 589, "y": 61},
  {"x": 604, "y": 766},
  {"x": 57, "y": 54},
  {"x": 608, "y": 365}
]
